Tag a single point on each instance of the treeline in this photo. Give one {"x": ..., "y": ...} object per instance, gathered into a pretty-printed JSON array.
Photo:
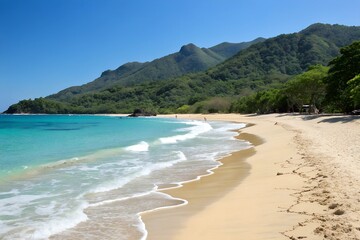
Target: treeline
[
  {"x": 335, "y": 88},
  {"x": 304, "y": 89}
]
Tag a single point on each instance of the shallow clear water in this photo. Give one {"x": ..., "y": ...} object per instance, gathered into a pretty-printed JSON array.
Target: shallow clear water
[{"x": 65, "y": 176}]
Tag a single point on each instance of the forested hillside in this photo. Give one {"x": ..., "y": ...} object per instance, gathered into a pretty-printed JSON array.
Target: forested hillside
[
  {"x": 320, "y": 89},
  {"x": 189, "y": 59},
  {"x": 269, "y": 64}
]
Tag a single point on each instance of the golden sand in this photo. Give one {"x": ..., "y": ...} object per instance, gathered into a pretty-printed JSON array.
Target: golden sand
[{"x": 300, "y": 181}]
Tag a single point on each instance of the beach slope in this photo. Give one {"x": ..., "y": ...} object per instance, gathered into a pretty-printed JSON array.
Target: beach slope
[{"x": 300, "y": 181}]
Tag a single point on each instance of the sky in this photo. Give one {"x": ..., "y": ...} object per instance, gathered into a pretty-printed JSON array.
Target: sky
[{"x": 49, "y": 45}]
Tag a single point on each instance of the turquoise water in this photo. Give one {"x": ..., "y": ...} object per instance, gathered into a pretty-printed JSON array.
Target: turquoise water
[
  {"x": 28, "y": 141},
  {"x": 60, "y": 175}
]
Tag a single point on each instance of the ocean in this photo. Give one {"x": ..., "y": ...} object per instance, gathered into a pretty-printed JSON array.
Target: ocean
[{"x": 89, "y": 177}]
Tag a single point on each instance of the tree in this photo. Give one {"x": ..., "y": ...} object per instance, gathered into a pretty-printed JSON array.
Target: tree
[
  {"x": 342, "y": 70},
  {"x": 269, "y": 101},
  {"x": 307, "y": 88},
  {"x": 354, "y": 85}
]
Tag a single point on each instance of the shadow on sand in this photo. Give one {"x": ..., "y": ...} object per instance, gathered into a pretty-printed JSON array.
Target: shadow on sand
[
  {"x": 323, "y": 118},
  {"x": 342, "y": 119}
]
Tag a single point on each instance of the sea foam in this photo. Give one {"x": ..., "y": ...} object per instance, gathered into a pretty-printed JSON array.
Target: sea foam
[
  {"x": 13, "y": 206},
  {"x": 144, "y": 170},
  {"x": 60, "y": 223}
]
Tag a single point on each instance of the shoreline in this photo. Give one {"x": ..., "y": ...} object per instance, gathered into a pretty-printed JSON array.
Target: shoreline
[
  {"x": 223, "y": 168},
  {"x": 284, "y": 196}
]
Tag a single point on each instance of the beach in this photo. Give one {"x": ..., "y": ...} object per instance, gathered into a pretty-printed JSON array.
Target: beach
[{"x": 300, "y": 180}]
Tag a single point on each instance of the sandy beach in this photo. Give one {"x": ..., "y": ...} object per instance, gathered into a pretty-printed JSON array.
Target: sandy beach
[{"x": 300, "y": 180}]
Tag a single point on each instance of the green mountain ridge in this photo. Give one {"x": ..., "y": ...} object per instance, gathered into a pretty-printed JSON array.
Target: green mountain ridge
[
  {"x": 228, "y": 50},
  {"x": 262, "y": 65},
  {"x": 287, "y": 54},
  {"x": 189, "y": 59}
]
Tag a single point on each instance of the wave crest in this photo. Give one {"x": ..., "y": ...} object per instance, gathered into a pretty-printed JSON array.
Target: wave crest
[
  {"x": 196, "y": 129},
  {"x": 140, "y": 147}
]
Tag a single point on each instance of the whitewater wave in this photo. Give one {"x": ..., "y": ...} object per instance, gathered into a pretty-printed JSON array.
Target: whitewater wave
[
  {"x": 196, "y": 129},
  {"x": 140, "y": 147}
]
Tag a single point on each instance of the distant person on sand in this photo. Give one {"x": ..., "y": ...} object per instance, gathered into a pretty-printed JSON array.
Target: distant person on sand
[{"x": 205, "y": 119}]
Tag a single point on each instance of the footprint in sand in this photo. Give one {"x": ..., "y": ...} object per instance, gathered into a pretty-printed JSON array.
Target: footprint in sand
[{"x": 339, "y": 212}]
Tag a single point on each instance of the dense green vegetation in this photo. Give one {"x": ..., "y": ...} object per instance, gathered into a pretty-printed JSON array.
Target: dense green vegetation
[
  {"x": 39, "y": 105},
  {"x": 304, "y": 89},
  {"x": 343, "y": 80},
  {"x": 332, "y": 89},
  {"x": 280, "y": 74}
]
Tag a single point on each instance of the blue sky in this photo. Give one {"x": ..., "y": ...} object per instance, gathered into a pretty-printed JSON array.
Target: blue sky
[{"x": 48, "y": 45}]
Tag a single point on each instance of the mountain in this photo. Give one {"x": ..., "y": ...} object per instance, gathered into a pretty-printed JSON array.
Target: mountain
[
  {"x": 189, "y": 59},
  {"x": 260, "y": 66},
  {"x": 287, "y": 54}
]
